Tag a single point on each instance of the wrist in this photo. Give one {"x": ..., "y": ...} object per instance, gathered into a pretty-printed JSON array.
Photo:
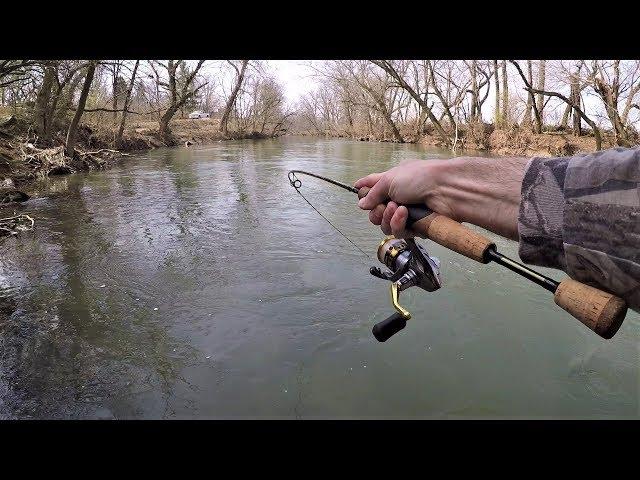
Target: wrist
[
  {"x": 449, "y": 182},
  {"x": 482, "y": 191}
]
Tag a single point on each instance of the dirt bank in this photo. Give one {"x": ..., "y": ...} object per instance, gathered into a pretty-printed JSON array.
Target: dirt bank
[
  {"x": 522, "y": 142},
  {"x": 23, "y": 159}
]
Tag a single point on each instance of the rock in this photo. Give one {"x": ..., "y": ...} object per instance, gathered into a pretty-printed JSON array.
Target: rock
[
  {"x": 12, "y": 195},
  {"x": 155, "y": 143},
  {"x": 7, "y": 122},
  {"x": 60, "y": 170}
]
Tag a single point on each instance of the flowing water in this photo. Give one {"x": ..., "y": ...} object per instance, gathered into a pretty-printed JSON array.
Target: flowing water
[{"x": 196, "y": 283}]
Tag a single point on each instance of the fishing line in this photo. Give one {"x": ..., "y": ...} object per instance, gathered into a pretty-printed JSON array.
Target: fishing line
[{"x": 297, "y": 183}]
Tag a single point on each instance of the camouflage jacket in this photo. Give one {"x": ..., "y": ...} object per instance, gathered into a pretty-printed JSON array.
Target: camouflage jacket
[{"x": 581, "y": 214}]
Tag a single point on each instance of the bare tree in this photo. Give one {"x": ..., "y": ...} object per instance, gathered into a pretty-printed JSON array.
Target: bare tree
[
  {"x": 616, "y": 85},
  {"x": 532, "y": 91},
  {"x": 240, "y": 74},
  {"x": 179, "y": 92},
  {"x": 388, "y": 67},
  {"x": 526, "y": 119},
  {"x": 73, "y": 128},
  {"x": 497, "y": 117},
  {"x": 505, "y": 94},
  {"x": 127, "y": 99},
  {"x": 59, "y": 81},
  {"x": 542, "y": 67}
]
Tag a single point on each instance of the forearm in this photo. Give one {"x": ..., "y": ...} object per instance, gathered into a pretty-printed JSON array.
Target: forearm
[{"x": 482, "y": 191}]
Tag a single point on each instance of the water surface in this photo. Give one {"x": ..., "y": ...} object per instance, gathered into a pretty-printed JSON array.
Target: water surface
[{"x": 196, "y": 283}]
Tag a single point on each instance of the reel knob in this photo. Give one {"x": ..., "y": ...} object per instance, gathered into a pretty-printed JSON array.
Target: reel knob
[{"x": 387, "y": 328}]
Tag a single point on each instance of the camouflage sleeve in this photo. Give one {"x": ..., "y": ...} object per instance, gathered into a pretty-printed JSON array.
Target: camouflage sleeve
[{"x": 581, "y": 214}]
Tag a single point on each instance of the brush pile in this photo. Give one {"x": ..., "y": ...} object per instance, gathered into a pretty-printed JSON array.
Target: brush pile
[{"x": 13, "y": 225}]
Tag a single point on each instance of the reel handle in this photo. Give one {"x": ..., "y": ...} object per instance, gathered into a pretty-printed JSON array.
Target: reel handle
[
  {"x": 600, "y": 311},
  {"x": 388, "y": 327}
]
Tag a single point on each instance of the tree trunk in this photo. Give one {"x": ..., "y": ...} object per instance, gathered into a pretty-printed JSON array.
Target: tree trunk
[
  {"x": 165, "y": 131},
  {"x": 474, "y": 91},
  {"x": 224, "y": 121},
  {"x": 497, "y": 117},
  {"x": 396, "y": 133},
  {"x": 60, "y": 114},
  {"x": 541, "y": 82},
  {"x": 532, "y": 91},
  {"x": 41, "y": 109},
  {"x": 127, "y": 99},
  {"x": 575, "y": 99},
  {"x": 505, "y": 94},
  {"x": 526, "y": 120},
  {"x": 73, "y": 128},
  {"x": 116, "y": 73}
]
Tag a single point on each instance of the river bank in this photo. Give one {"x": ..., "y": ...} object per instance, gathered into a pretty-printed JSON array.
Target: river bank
[
  {"x": 515, "y": 141},
  {"x": 23, "y": 159},
  {"x": 521, "y": 142}
]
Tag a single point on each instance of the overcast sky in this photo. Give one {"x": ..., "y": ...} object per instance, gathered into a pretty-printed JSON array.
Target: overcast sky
[{"x": 294, "y": 75}]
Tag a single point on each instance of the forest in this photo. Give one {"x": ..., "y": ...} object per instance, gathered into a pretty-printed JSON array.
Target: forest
[
  {"x": 57, "y": 116},
  {"x": 459, "y": 104}
]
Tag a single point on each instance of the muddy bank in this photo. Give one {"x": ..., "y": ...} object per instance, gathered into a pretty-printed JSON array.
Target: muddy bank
[
  {"x": 23, "y": 159},
  {"x": 485, "y": 138},
  {"x": 521, "y": 142}
]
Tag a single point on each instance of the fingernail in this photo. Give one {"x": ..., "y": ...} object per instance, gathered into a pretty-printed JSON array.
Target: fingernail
[{"x": 361, "y": 203}]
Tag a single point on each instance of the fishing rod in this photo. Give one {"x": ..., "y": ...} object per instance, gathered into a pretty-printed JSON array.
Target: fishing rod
[{"x": 410, "y": 265}]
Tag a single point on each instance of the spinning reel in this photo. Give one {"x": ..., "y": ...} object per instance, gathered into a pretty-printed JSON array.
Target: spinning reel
[{"x": 409, "y": 266}]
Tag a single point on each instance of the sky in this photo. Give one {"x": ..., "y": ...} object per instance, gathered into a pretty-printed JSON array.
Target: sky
[{"x": 294, "y": 75}]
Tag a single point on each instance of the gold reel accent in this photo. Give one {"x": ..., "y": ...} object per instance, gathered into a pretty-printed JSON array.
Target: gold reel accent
[{"x": 394, "y": 301}]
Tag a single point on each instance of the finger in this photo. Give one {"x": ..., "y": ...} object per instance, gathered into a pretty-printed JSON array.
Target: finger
[
  {"x": 398, "y": 223},
  {"x": 378, "y": 194},
  {"x": 386, "y": 217},
  {"x": 368, "y": 181},
  {"x": 375, "y": 215}
]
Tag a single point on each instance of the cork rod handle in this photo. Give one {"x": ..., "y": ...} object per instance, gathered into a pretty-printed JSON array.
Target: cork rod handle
[
  {"x": 445, "y": 231},
  {"x": 602, "y": 312}
]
